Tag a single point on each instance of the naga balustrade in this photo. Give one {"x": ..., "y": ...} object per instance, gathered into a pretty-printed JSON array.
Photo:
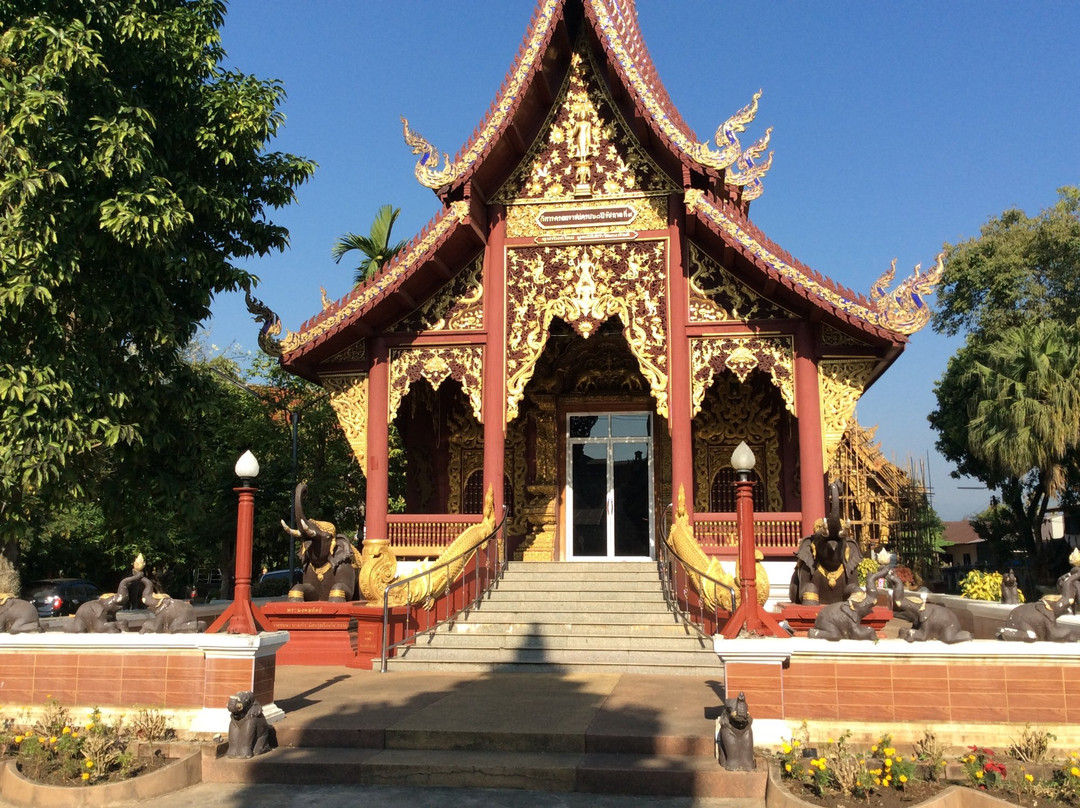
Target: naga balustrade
[
  {"x": 426, "y": 534},
  {"x": 679, "y": 592},
  {"x": 776, "y": 534},
  {"x": 478, "y": 576}
]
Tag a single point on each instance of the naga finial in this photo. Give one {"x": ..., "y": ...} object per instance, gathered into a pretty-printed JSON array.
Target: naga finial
[
  {"x": 432, "y": 170},
  {"x": 271, "y": 324},
  {"x": 904, "y": 309},
  {"x": 727, "y": 134},
  {"x": 750, "y": 171}
]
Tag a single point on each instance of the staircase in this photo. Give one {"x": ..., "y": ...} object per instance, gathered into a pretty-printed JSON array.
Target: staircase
[{"x": 583, "y": 617}]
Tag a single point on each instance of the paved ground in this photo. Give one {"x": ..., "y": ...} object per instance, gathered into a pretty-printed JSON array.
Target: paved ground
[{"x": 340, "y": 702}]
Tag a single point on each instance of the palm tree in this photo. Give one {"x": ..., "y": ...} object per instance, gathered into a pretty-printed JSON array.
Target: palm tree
[
  {"x": 1027, "y": 415},
  {"x": 376, "y": 247}
]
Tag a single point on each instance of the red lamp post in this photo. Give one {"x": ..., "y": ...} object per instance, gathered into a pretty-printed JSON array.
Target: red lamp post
[
  {"x": 242, "y": 615},
  {"x": 749, "y": 614}
]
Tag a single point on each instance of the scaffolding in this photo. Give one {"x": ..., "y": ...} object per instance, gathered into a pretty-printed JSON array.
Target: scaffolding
[{"x": 887, "y": 505}]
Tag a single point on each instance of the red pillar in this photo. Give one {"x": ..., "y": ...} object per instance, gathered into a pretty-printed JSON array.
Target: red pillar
[
  {"x": 679, "y": 391},
  {"x": 242, "y": 616},
  {"x": 808, "y": 405},
  {"x": 494, "y": 398},
  {"x": 378, "y": 440}
]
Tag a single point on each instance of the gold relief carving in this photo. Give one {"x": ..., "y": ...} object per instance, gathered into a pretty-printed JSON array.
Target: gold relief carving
[
  {"x": 466, "y": 454},
  {"x": 741, "y": 355},
  {"x": 588, "y": 150},
  {"x": 436, "y": 364},
  {"x": 728, "y": 417},
  {"x": 357, "y": 352},
  {"x": 584, "y": 285},
  {"x": 903, "y": 311},
  {"x": 841, "y": 383},
  {"x": 349, "y": 398},
  {"x": 458, "y": 306},
  {"x": 835, "y": 339},
  {"x": 457, "y": 213},
  {"x": 717, "y": 296},
  {"x": 515, "y": 469}
]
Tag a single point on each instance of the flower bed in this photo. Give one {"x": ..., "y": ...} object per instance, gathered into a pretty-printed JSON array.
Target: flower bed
[{"x": 883, "y": 776}]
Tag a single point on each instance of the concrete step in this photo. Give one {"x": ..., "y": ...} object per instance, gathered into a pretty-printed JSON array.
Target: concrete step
[
  {"x": 578, "y": 585},
  {"x": 539, "y": 614},
  {"x": 417, "y": 658},
  {"x": 470, "y": 627},
  {"x": 655, "y": 775},
  {"x": 583, "y": 597},
  {"x": 610, "y": 642}
]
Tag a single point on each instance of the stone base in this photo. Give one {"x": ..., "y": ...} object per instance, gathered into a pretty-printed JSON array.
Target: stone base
[
  {"x": 801, "y": 618},
  {"x": 319, "y": 633}
]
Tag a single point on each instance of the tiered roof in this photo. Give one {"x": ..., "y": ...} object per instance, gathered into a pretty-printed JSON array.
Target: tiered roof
[{"x": 718, "y": 183}]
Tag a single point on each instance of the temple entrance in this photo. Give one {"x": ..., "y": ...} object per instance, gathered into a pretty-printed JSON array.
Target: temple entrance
[{"x": 609, "y": 486}]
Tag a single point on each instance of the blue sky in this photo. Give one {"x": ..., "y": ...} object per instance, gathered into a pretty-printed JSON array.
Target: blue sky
[{"x": 897, "y": 127}]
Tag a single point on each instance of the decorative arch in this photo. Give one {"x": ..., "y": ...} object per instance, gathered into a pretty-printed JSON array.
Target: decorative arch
[
  {"x": 435, "y": 364},
  {"x": 710, "y": 356}
]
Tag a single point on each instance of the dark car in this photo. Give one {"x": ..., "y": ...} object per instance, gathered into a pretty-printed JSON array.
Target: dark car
[{"x": 58, "y": 596}]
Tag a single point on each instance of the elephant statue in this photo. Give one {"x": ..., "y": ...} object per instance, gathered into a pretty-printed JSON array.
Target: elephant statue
[
  {"x": 98, "y": 616},
  {"x": 826, "y": 563},
  {"x": 330, "y": 562},
  {"x": 1010, "y": 591},
  {"x": 18, "y": 616},
  {"x": 930, "y": 621},
  {"x": 735, "y": 736},
  {"x": 169, "y": 616},
  {"x": 1037, "y": 621},
  {"x": 843, "y": 620}
]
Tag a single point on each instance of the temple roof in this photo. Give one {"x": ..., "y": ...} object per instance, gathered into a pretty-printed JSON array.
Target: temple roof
[{"x": 718, "y": 184}]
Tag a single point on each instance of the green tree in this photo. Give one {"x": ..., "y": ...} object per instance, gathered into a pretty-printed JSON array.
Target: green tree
[
  {"x": 134, "y": 170},
  {"x": 375, "y": 247},
  {"x": 1008, "y": 408}
]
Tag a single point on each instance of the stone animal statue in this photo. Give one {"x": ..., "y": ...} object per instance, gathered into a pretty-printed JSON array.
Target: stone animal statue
[
  {"x": 1037, "y": 621},
  {"x": 826, "y": 563},
  {"x": 249, "y": 732},
  {"x": 843, "y": 620},
  {"x": 930, "y": 621},
  {"x": 1010, "y": 591},
  {"x": 17, "y": 616},
  {"x": 735, "y": 736},
  {"x": 169, "y": 616},
  {"x": 98, "y": 616},
  {"x": 329, "y": 561}
]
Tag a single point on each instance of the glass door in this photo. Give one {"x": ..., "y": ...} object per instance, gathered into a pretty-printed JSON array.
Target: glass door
[{"x": 609, "y": 485}]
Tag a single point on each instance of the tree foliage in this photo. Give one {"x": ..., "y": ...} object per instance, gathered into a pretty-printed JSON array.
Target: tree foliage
[
  {"x": 375, "y": 247},
  {"x": 134, "y": 170},
  {"x": 1008, "y": 408}
]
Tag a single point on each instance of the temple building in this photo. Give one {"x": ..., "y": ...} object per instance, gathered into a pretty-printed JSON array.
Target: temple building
[{"x": 592, "y": 322}]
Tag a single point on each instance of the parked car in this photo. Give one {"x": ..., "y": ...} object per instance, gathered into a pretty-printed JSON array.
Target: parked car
[{"x": 54, "y": 597}]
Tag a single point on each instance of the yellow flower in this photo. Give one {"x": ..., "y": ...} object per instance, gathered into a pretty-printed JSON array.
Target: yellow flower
[
  {"x": 52, "y": 739},
  {"x": 794, "y": 743},
  {"x": 90, "y": 725},
  {"x": 787, "y": 767},
  {"x": 89, "y": 764},
  {"x": 67, "y": 731},
  {"x": 786, "y": 749},
  {"x": 18, "y": 738},
  {"x": 1028, "y": 777},
  {"x": 41, "y": 739},
  {"x": 890, "y": 751},
  {"x": 873, "y": 748},
  {"x": 877, "y": 781},
  {"x": 830, "y": 740},
  {"x": 1075, "y": 772},
  {"x": 979, "y": 775},
  {"x": 86, "y": 775},
  {"x": 888, "y": 762},
  {"x": 903, "y": 778}
]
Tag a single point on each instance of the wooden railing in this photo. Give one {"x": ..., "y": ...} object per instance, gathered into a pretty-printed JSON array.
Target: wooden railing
[
  {"x": 774, "y": 533},
  {"x": 425, "y": 534}
]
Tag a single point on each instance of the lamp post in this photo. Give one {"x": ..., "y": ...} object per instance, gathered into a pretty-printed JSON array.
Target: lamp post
[
  {"x": 242, "y": 615},
  {"x": 749, "y": 614}
]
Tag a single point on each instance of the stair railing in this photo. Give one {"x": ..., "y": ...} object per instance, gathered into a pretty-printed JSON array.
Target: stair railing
[
  {"x": 682, "y": 597},
  {"x": 478, "y": 576}
]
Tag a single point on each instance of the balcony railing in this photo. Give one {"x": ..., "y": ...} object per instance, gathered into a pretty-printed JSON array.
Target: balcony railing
[
  {"x": 426, "y": 534},
  {"x": 775, "y": 534}
]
